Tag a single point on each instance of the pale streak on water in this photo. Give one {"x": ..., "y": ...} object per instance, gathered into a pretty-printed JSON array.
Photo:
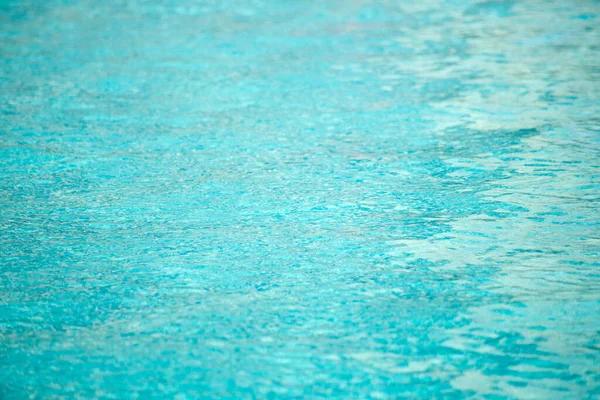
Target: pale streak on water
[{"x": 299, "y": 199}]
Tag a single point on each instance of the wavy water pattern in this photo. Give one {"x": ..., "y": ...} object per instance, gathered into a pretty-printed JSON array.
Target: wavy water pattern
[{"x": 268, "y": 199}]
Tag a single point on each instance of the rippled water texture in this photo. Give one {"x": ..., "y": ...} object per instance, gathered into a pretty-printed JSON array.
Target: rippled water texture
[{"x": 285, "y": 199}]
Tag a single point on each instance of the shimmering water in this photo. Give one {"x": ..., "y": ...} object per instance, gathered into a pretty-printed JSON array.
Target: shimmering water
[{"x": 286, "y": 199}]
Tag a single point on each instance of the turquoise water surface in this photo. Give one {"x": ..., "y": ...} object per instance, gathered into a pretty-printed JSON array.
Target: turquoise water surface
[{"x": 299, "y": 199}]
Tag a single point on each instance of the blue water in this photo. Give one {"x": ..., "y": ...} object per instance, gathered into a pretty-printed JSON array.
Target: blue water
[{"x": 299, "y": 199}]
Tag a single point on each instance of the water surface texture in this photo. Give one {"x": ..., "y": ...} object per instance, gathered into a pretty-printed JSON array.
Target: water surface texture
[{"x": 299, "y": 199}]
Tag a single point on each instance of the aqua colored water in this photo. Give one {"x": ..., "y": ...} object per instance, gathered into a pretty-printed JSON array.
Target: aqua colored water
[{"x": 299, "y": 199}]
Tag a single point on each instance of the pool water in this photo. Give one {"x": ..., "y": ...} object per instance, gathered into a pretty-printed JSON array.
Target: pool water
[{"x": 299, "y": 199}]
